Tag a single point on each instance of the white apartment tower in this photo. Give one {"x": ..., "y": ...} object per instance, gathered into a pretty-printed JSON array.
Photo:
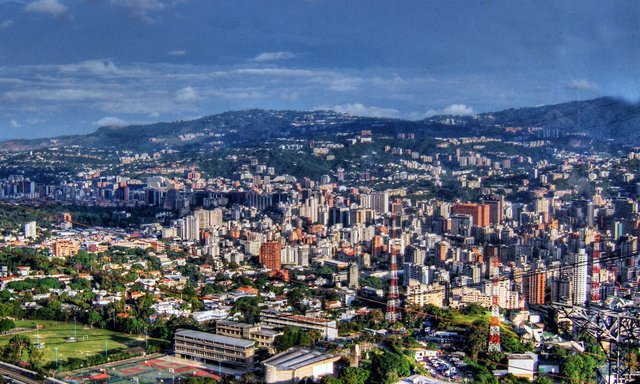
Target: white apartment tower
[
  {"x": 579, "y": 278},
  {"x": 30, "y": 230}
]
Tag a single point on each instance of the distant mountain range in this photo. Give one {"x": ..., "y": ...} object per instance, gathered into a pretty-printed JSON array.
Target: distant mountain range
[{"x": 603, "y": 118}]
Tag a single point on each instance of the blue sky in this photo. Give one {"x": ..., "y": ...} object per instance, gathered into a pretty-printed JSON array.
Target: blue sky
[{"x": 69, "y": 66}]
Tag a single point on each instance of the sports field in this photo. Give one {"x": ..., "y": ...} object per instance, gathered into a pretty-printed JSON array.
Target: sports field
[
  {"x": 89, "y": 341},
  {"x": 164, "y": 369}
]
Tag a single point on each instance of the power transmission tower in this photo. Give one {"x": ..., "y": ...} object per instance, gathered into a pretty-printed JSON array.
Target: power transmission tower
[
  {"x": 494, "y": 326},
  {"x": 393, "y": 299},
  {"x": 617, "y": 333}
]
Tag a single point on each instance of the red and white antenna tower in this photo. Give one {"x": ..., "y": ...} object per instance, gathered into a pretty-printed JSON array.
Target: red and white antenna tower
[
  {"x": 393, "y": 298},
  {"x": 494, "y": 326}
]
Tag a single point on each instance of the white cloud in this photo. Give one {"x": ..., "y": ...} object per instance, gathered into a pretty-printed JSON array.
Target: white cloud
[
  {"x": 66, "y": 94},
  {"x": 458, "y": 110},
  {"x": 273, "y": 56},
  {"x": 49, "y": 7},
  {"x": 177, "y": 52},
  {"x": 111, "y": 122},
  {"x": 358, "y": 109},
  {"x": 100, "y": 68},
  {"x": 15, "y": 124},
  {"x": 344, "y": 84},
  {"x": 186, "y": 94},
  {"x": 145, "y": 10},
  {"x": 453, "y": 109},
  {"x": 7, "y": 24},
  {"x": 582, "y": 85},
  {"x": 96, "y": 67},
  {"x": 282, "y": 72}
]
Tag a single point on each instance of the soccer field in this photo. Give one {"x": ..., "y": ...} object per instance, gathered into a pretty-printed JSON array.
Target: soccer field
[{"x": 89, "y": 341}]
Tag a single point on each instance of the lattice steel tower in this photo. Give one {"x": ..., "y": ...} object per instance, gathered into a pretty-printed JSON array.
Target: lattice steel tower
[
  {"x": 393, "y": 299},
  {"x": 494, "y": 326}
]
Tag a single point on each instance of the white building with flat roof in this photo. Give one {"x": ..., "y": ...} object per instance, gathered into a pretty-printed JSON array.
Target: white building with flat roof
[
  {"x": 523, "y": 365},
  {"x": 295, "y": 364}
]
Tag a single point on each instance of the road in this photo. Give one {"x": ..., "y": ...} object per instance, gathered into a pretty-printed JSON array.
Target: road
[{"x": 17, "y": 377}]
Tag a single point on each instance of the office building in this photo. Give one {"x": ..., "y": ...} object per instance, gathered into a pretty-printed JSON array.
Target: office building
[
  {"x": 273, "y": 318},
  {"x": 233, "y": 354},
  {"x": 264, "y": 337}
]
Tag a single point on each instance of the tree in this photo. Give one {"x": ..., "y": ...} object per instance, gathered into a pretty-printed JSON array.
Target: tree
[
  {"x": 387, "y": 366},
  {"x": 250, "y": 309},
  {"x": 16, "y": 348},
  {"x": 288, "y": 339},
  {"x": 330, "y": 380},
  {"x": 160, "y": 330},
  {"x": 354, "y": 375},
  {"x": 513, "y": 345},
  {"x": 36, "y": 358},
  {"x": 295, "y": 295},
  {"x": 511, "y": 379},
  {"x": 477, "y": 337},
  {"x": 542, "y": 379},
  {"x": 473, "y": 309},
  {"x": 307, "y": 338},
  {"x": 6, "y": 324},
  {"x": 579, "y": 368},
  {"x": 93, "y": 317}
]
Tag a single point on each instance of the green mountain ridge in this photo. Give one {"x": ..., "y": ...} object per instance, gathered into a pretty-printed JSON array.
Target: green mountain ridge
[{"x": 603, "y": 118}]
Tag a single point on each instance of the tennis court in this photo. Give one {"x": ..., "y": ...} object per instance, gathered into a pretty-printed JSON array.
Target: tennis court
[{"x": 165, "y": 369}]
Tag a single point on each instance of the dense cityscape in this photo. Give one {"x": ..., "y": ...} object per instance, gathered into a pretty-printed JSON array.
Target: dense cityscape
[
  {"x": 319, "y": 191},
  {"x": 462, "y": 263}
]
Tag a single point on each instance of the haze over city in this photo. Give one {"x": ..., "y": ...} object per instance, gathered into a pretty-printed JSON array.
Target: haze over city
[{"x": 70, "y": 66}]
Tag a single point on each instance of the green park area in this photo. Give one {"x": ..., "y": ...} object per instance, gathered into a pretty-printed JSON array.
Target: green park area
[{"x": 88, "y": 341}]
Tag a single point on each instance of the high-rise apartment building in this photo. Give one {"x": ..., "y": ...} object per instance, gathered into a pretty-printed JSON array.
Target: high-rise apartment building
[
  {"x": 534, "y": 284},
  {"x": 579, "y": 279},
  {"x": 479, "y": 212},
  {"x": 353, "y": 277},
  {"x": 270, "y": 255},
  {"x": 30, "y": 230}
]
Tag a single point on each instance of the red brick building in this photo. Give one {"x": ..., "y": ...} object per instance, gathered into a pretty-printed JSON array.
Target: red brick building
[
  {"x": 479, "y": 212},
  {"x": 270, "y": 255}
]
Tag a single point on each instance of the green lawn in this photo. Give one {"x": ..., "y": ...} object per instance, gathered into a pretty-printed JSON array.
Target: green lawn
[
  {"x": 467, "y": 320},
  {"x": 89, "y": 341}
]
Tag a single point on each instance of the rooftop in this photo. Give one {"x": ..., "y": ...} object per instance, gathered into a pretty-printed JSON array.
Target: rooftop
[
  {"x": 215, "y": 338},
  {"x": 520, "y": 356},
  {"x": 230, "y": 323},
  {"x": 295, "y": 358}
]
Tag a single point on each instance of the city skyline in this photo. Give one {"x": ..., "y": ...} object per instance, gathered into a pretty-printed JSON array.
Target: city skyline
[{"x": 65, "y": 68}]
